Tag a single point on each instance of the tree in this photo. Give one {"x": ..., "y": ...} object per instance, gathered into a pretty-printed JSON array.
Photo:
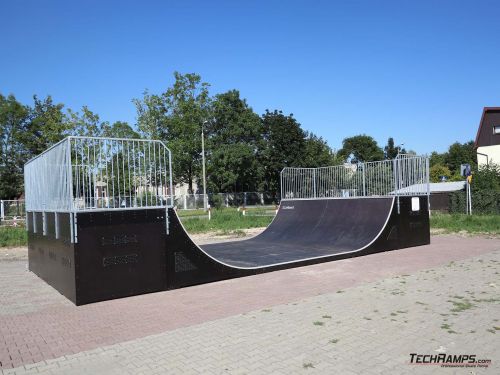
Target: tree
[
  {"x": 234, "y": 137},
  {"x": 317, "y": 153},
  {"x": 176, "y": 117},
  {"x": 14, "y": 118},
  {"x": 361, "y": 148},
  {"x": 119, "y": 129},
  {"x": 284, "y": 147},
  {"x": 437, "y": 158},
  {"x": 47, "y": 125},
  {"x": 460, "y": 153},
  {"x": 391, "y": 151},
  {"x": 86, "y": 123},
  {"x": 437, "y": 171}
]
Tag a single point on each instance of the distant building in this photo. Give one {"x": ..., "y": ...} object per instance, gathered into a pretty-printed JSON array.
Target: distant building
[
  {"x": 488, "y": 137},
  {"x": 183, "y": 189}
]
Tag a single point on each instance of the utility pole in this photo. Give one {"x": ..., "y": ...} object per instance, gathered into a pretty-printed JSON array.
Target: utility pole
[{"x": 203, "y": 162}]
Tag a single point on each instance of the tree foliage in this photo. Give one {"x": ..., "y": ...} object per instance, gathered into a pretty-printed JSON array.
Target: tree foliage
[
  {"x": 14, "y": 118},
  {"x": 176, "y": 116},
  {"x": 285, "y": 144},
  {"x": 361, "y": 148},
  {"x": 85, "y": 123},
  {"x": 437, "y": 158},
  {"x": 460, "y": 153},
  {"x": 487, "y": 178},
  {"x": 317, "y": 153},
  {"x": 457, "y": 154},
  {"x": 119, "y": 129},
  {"x": 47, "y": 125},
  {"x": 391, "y": 151},
  {"x": 438, "y": 171},
  {"x": 234, "y": 140}
]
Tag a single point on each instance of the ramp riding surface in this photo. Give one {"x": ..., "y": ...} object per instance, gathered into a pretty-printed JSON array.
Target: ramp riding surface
[{"x": 306, "y": 229}]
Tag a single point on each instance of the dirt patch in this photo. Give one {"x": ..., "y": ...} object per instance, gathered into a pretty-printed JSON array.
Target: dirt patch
[
  {"x": 464, "y": 233},
  {"x": 213, "y": 237},
  {"x": 13, "y": 253}
]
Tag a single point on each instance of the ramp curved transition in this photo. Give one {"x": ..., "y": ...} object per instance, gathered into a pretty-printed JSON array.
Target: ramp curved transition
[{"x": 306, "y": 229}]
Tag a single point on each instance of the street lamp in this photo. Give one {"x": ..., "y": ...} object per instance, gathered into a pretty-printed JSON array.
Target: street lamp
[
  {"x": 203, "y": 162},
  {"x": 398, "y": 147}
]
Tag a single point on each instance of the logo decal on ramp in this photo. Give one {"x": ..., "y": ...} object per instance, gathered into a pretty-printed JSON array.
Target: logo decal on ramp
[{"x": 287, "y": 207}]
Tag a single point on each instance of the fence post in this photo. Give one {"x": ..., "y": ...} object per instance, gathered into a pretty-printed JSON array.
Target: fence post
[
  {"x": 395, "y": 171},
  {"x": 2, "y": 212},
  {"x": 428, "y": 184},
  {"x": 184, "y": 201},
  {"x": 245, "y": 199},
  {"x": 364, "y": 179},
  {"x": 282, "y": 188},
  {"x": 314, "y": 182}
]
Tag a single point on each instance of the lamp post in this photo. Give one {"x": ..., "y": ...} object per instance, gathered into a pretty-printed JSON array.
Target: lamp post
[
  {"x": 398, "y": 147},
  {"x": 203, "y": 162}
]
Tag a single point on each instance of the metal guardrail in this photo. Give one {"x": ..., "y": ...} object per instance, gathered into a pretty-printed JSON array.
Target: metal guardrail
[
  {"x": 91, "y": 173},
  {"x": 405, "y": 175}
]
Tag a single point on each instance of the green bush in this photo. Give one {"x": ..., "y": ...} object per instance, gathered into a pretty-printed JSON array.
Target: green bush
[
  {"x": 437, "y": 171},
  {"x": 13, "y": 236},
  {"x": 216, "y": 201},
  {"x": 485, "y": 191}
]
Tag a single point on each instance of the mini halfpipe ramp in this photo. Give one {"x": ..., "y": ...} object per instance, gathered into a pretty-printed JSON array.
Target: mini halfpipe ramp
[{"x": 128, "y": 252}]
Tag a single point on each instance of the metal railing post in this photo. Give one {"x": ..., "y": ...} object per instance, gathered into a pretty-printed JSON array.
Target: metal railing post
[
  {"x": 428, "y": 184},
  {"x": 69, "y": 171},
  {"x": 364, "y": 179},
  {"x": 314, "y": 183},
  {"x": 171, "y": 178},
  {"x": 396, "y": 180},
  {"x": 281, "y": 184}
]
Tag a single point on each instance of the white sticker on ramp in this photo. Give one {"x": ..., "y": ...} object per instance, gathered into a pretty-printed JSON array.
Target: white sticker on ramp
[{"x": 415, "y": 203}]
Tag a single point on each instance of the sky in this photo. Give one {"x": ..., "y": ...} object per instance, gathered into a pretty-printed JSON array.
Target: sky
[{"x": 418, "y": 71}]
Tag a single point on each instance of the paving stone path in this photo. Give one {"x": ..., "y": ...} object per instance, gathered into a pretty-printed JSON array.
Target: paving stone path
[{"x": 361, "y": 315}]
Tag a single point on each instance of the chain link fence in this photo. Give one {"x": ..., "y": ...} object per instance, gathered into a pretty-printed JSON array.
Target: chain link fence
[
  {"x": 12, "y": 211},
  {"x": 217, "y": 200},
  {"x": 15, "y": 210}
]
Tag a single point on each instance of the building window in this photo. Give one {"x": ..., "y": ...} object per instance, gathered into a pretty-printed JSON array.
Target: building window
[{"x": 496, "y": 129}]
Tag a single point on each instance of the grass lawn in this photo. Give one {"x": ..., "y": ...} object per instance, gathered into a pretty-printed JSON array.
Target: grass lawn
[
  {"x": 471, "y": 224},
  {"x": 13, "y": 236},
  {"x": 190, "y": 213},
  {"x": 226, "y": 220}
]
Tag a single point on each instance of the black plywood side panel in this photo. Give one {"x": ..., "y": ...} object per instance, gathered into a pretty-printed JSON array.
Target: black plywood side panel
[
  {"x": 50, "y": 259},
  {"x": 120, "y": 253}
]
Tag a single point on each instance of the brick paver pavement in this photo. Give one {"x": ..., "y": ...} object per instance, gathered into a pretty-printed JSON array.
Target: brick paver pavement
[{"x": 364, "y": 314}]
